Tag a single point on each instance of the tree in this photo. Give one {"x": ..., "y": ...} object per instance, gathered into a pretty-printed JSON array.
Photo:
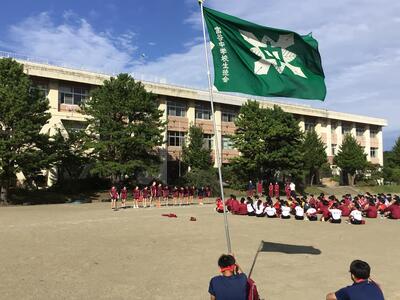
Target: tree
[
  {"x": 195, "y": 155},
  {"x": 350, "y": 157},
  {"x": 395, "y": 159},
  {"x": 269, "y": 141},
  {"x": 22, "y": 116},
  {"x": 125, "y": 129},
  {"x": 314, "y": 155},
  {"x": 71, "y": 154},
  {"x": 391, "y": 163}
]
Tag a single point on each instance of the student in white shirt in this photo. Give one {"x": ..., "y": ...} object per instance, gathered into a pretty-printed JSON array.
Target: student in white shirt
[
  {"x": 299, "y": 212},
  {"x": 270, "y": 211},
  {"x": 259, "y": 209},
  {"x": 336, "y": 214},
  {"x": 356, "y": 216},
  {"x": 250, "y": 207},
  {"x": 285, "y": 210},
  {"x": 311, "y": 214}
]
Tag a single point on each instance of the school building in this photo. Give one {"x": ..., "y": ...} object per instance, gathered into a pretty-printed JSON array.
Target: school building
[{"x": 66, "y": 88}]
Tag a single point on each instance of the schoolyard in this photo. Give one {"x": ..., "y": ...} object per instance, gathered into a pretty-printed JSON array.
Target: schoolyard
[{"x": 88, "y": 251}]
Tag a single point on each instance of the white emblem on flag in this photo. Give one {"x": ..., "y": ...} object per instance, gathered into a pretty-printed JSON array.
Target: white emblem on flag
[{"x": 272, "y": 53}]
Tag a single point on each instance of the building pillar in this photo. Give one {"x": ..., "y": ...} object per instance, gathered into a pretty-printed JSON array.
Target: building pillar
[
  {"x": 53, "y": 96},
  {"x": 191, "y": 113},
  {"x": 163, "y": 175},
  {"x": 380, "y": 146},
  {"x": 328, "y": 138},
  {"x": 218, "y": 134},
  {"x": 353, "y": 130},
  {"x": 302, "y": 124},
  {"x": 367, "y": 139},
  {"x": 339, "y": 134}
]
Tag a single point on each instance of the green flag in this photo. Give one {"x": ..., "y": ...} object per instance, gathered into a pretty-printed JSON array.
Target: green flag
[{"x": 257, "y": 60}]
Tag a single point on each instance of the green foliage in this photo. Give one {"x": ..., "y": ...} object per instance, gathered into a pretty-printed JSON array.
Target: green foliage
[
  {"x": 22, "y": 115},
  {"x": 351, "y": 157},
  {"x": 314, "y": 155},
  {"x": 195, "y": 155},
  {"x": 395, "y": 159},
  {"x": 71, "y": 156},
  {"x": 391, "y": 163},
  {"x": 202, "y": 178},
  {"x": 269, "y": 141},
  {"x": 125, "y": 129}
]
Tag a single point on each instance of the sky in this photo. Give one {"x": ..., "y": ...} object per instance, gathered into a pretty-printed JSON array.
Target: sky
[{"x": 158, "y": 40}]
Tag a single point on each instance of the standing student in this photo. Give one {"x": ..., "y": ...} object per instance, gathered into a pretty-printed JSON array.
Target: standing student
[
  {"x": 250, "y": 189},
  {"x": 276, "y": 189},
  {"x": 231, "y": 284},
  {"x": 363, "y": 287},
  {"x": 271, "y": 190},
  {"x": 287, "y": 190},
  {"x": 114, "y": 197},
  {"x": 200, "y": 195},
  {"x": 181, "y": 195},
  {"x": 123, "y": 196},
  {"x": 166, "y": 195},
  {"x": 191, "y": 193},
  {"x": 153, "y": 192},
  {"x": 259, "y": 188},
  {"x": 136, "y": 197},
  {"x": 146, "y": 196},
  {"x": 186, "y": 194},
  {"x": 292, "y": 187},
  {"x": 175, "y": 194}
]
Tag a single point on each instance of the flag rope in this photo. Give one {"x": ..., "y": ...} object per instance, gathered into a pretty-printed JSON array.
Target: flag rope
[{"x": 217, "y": 151}]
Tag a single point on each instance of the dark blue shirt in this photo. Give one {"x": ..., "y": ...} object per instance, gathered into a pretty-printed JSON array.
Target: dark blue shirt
[
  {"x": 360, "y": 291},
  {"x": 229, "y": 288}
]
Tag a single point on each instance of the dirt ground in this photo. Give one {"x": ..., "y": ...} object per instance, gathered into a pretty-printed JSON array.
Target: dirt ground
[{"x": 87, "y": 251}]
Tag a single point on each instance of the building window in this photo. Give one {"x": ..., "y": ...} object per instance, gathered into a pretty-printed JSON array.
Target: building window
[
  {"x": 334, "y": 149},
  {"x": 360, "y": 131},
  {"x": 208, "y": 141},
  {"x": 373, "y": 152},
  {"x": 75, "y": 126},
  {"x": 227, "y": 143},
  {"x": 41, "y": 87},
  {"x": 333, "y": 127},
  {"x": 309, "y": 125},
  {"x": 203, "y": 111},
  {"x": 346, "y": 130},
  {"x": 176, "y": 138},
  {"x": 175, "y": 108},
  {"x": 228, "y": 116},
  {"x": 73, "y": 95},
  {"x": 373, "y": 132}
]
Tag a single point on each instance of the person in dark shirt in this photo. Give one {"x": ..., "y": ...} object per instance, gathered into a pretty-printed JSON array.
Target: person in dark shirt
[
  {"x": 363, "y": 287},
  {"x": 231, "y": 284}
]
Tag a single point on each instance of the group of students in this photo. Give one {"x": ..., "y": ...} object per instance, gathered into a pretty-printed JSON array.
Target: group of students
[
  {"x": 158, "y": 194},
  {"x": 328, "y": 209}
]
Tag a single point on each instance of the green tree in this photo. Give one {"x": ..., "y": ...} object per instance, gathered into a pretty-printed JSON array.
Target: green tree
[
  {"x": 395, "y": 159},
  {"x": 269, "y": 141},
  {"x": 71, "y": 155},
  {"x": 391, "y": 163},
  {"x": 196, "y": 155},
  {"x": 350, "y": 158},
  {"x": 125, "y": 129},
  {"x": 314, "y": 155},
  {"x": 22, "y": 115}
]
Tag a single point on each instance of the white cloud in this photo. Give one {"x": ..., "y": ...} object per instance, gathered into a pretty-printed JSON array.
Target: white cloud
[{"x": 74, "y": 42}]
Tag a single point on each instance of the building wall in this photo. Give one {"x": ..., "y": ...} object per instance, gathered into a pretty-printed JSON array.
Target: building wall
[{"x": 328, "y": 124}]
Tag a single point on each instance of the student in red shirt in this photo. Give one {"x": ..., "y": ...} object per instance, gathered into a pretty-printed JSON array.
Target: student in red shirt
[
  {"x": 136, "y": 197},
  {"x": 146, "y": 196},
  {"x": 276, "y": 190},
  {"x": 271, "y": 190},
  {"x": 242, "y": 209},
  {"x": 165, "y": 192},
  {"x": 124, "y": 195},
  {"x": 324, "y": 210},
  {"x": 234, "y": 205},
  {"x": 370, "y": 210},
  {"x": 345, "y": 209},
  {"x": 259, "y": 188},
  {"x": 114, "y": 197},
  {"x": 393, "y": 210},
  {"x": 219, "y": 205}
]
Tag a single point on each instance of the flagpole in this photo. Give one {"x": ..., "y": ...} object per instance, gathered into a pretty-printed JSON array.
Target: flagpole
[{"x": 217, "y": 152}]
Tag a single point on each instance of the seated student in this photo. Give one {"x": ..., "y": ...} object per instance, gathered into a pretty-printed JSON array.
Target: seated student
[
  {"x": 228, "y": 203},
  {"x": 324, "y": 210},
  {"x": 277, "y": 206},
  {"x": 219, "y": 206},
  {"x": 299, "y": 212},
  {"x": 231, "y": 284},
  {"x": 250, "y": 207},
  {"x": 285, "y": 210},
  {"x": 270, "y": 211},
  {"x": 335, "y": 214},
  {"x": 356, "y": 215},
  {"x": 259, "y": 209},
  {"x": 234, "y": 205},
  {"x": 393, "y": 210},
  {"x": 380, "y": 205},
  {"x": 363, "y": 288},
  {"x": 344, "y": 207},
  {"x": 311, "y": 213},
  {"x": 242, "y": 208},
  {"x": 370, "y": 210}
]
